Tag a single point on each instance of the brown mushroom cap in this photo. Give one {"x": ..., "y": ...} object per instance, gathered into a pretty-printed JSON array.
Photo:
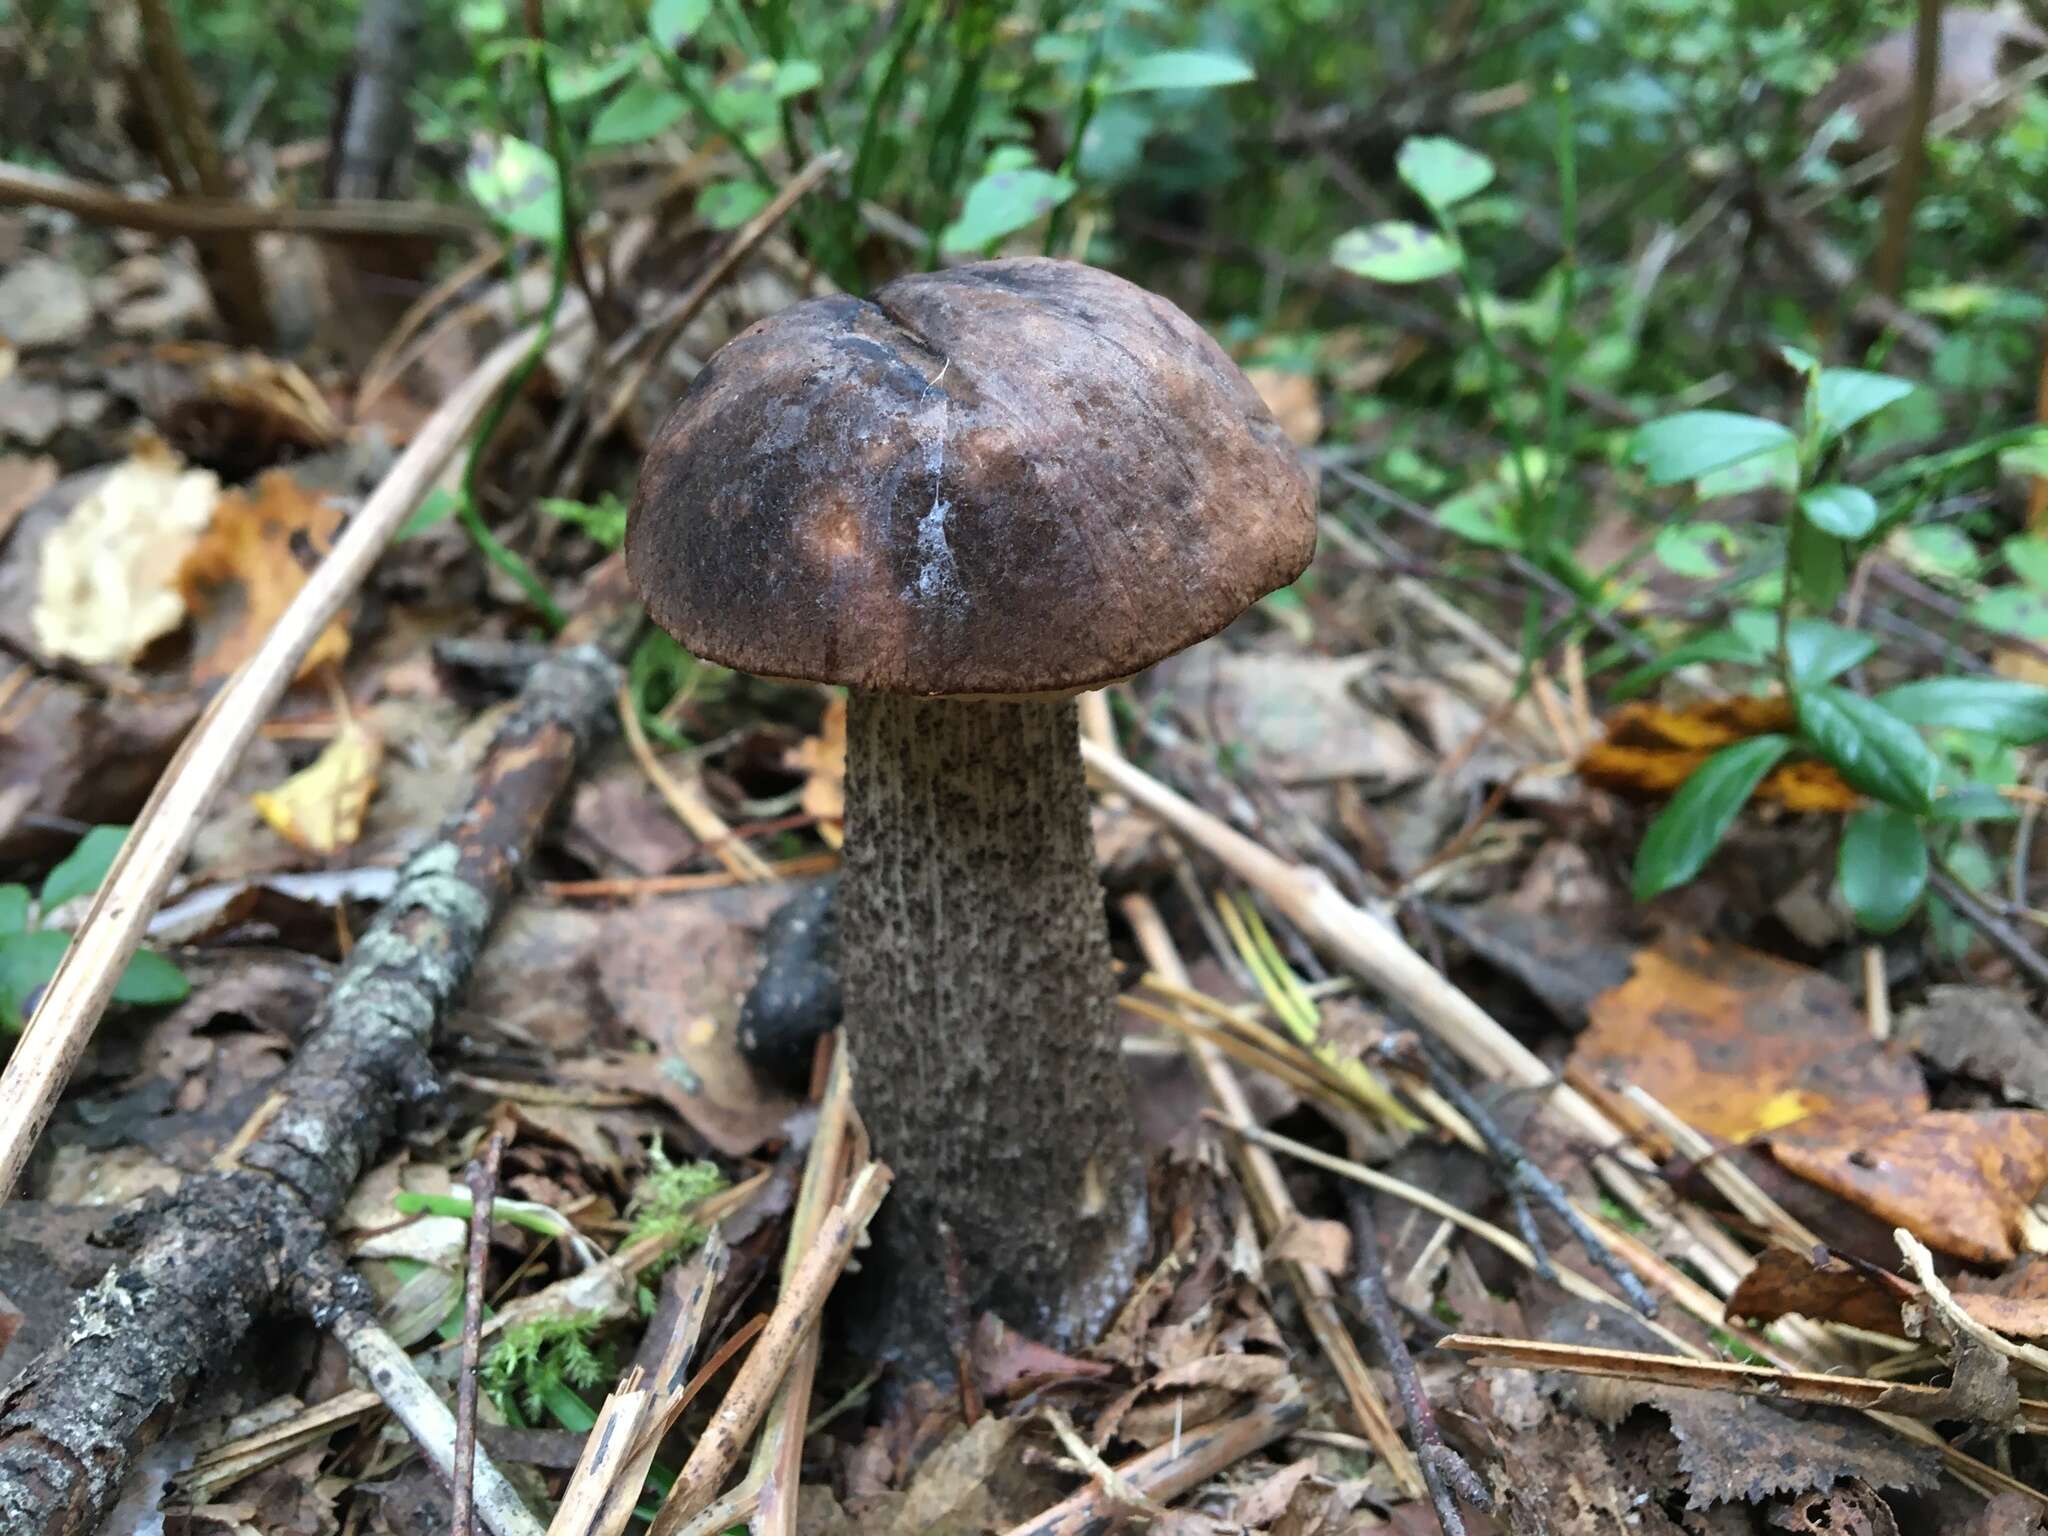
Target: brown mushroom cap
[{"x": 1014, "y": 477}]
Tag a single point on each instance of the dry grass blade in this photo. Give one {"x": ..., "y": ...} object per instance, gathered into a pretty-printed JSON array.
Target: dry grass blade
[
  {"x": 1726, "y": 1376},
  {"x": 48, "y": 1051},
  {"x": 795, "y": 1316},
  {"x": 612, "y": 1460},
  {"x": 690, "y": 806}
]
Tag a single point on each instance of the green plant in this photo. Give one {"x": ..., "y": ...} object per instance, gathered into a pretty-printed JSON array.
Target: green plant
[
  {"x": 1924, "y": 792},
  {"x": 29, "y": 953},
  {"x": 538, "y": 1370},
  {"x": 663, "y": 1206}
]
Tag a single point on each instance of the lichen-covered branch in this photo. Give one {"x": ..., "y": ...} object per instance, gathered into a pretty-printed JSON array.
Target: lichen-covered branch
[{"x": 220, "y": 1251}]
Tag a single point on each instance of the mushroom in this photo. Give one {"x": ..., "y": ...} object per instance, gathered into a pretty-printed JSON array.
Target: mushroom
[{"x": 968, "y": 499}]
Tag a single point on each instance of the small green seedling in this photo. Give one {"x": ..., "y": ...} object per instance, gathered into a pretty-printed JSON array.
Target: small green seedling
[{"x": 29, "y": 953}]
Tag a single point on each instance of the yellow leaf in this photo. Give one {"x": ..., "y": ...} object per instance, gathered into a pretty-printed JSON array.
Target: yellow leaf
[
  {"x": 248, "y": 568},
  {"x": 320, "y": 808},
  {"x": 106, "y": 579}
]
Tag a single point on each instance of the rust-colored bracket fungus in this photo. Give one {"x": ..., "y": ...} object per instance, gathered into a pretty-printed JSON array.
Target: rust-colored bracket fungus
[{"x": 967, "y": 499}]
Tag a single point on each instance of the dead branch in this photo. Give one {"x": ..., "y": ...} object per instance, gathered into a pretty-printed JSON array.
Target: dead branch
[{"x": 220, "y": 1251}]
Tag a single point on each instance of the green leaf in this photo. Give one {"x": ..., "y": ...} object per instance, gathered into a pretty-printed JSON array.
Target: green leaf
[
  {"x": 84, "y": 867},
  {"x": 1883, "y": 867},
  {"x": 27, "y": 962},
  {"x": 13, "y": 909},
  {"x": 729, "y": 204},
  {"x": 151, "y": 980},
  {"x": 1692, "y": 443},
  {"x": 795, "y": 76},
  {"x": 1846, "y": 511},
  {"x": 1442, "y": 172},
  {"x": 1973, "y": 802},
  {"x": 1845, "y": 396},
  {"x": 1873, "y": 748},
  {"x": 517, "y": 184},
  {"x": 1394, "y": 252},
  {"x": 578, "y": 80},
  {"x": 1821, "y": 651},
  {"x": 2013, "y": 611},
  {"x": 437, "y": 506},
  {"x": 2011, "y": 711},
  {"x": 605, "y": 521},
  {"x": 1482, "y": 514},
  {"x": 1799, "y": 360},
  {"x": 1941, "y": 550},
  {"x": 673, "y": 22},
  {"x": 1820, "y": 561},
  {"x": 1694, "y": 549},
  {"x": 1181, "y": 70},
  {"x": 639, "y": 112},
  {"x": 1721, "y": 645},
  {"x": 1001, "y": 203},
  {"x": 2027, "y": 558},
  {"x": 1688, "y": 830}
]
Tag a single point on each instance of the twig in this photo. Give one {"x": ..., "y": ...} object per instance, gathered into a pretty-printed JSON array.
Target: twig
[
  {"x": 1525, "y": 1180},
  {"x": 213, "y": 1257},
  {"x": 1723, "y": 1376},
  {"x": 1749, "y": 1198},
  {"x": 1443, "y": 1469},
  {"x": 631, "y": 888},
  {"x": 795, "y": 1314},
  {"x": 1902, "y": 192},
  {"x": 691, "y": 808},
  {"x": 2026, "y": 956},
  {"x": 345, "y": 220},
  {"x": 482, "y": 1179},
  {"x": 48, "y": 1051},
  {"x": 1170, "y": 1470},
  {"x": 416, "y": 1405},
  {"x": 1877, "y": 993}
]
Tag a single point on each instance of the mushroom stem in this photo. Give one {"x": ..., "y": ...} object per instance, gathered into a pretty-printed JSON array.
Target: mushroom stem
[{"x": 978, "y": 1003}]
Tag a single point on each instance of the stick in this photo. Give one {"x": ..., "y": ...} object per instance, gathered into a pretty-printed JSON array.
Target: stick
[
  {"x": 795, "y": 1315},
  {"x": 215, "y": 1256},
  {"x": 48, "y": 1051},
  {"x": 483, "y": 1192},
  {"x": 344, "y": 220},
  {"x": 1166, "y": 1472}
]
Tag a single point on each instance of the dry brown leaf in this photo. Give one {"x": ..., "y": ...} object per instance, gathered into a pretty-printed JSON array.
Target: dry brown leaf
[
  {"x": 1006, "y": 1364},
  {"x": 249, "y": 567},
  {"x": 2016, "y": 1302},
  {"x": 1291, "y": 397},
  {"x": 1649, "y": 751},
  {"x": 822, "y": 759},
  {"x": 1324, "y": 1245},
  {"x": 22, "y": 480},
  {"x": 106, "y": 582},
  {"x": 1832, "y": 1290},
  {"x": 1959, "y": 1181},
  {"x": 320, "y": 808},
  {"x": 241, "y": 411},
  {"x": 1736, "y": 1042}
]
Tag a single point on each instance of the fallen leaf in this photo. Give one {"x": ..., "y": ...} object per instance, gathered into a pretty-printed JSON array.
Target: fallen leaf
[
  {"x": 2011, "y": 1514},
  {"x": 1649, "y": 751},
  {"x": 1291, "y": 397},
  {"x": 1984, "y": 1033},
  {"x": 106, "y": 583},
  {"x": 1737, "y": 1042},
  {"x": 237, "y": 411},
  {"x": 822, "y": 760},
  {"x": 1300, "y": 716},
  {"x": 320, "y": 808},
  {"x": 1007, "y": 1364},
  {"x": 1831, "y": 1290},
  {"x": 69, "y": 753},
  {"x": 1850, "y": 1509},
  {"x": 1959, "y": 1181},
  {"x": 2015, "y": 1302},
  {"x": 248, "y": 568},
  {"x": 43, "y": 303},
  {"x": 1324, "y": 1245}
]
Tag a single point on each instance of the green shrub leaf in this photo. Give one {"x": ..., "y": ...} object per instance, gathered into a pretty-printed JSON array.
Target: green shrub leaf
[
  {"x": 1849, "y": 395},
  {"x": 1871, "y": 747},
  {"x": 1001, "y": 203},
  {"x": 1186, "y": 69},
  {"x": 1883, "y": 867},
  {"x": 639, "y": 112},
  {"x": 1693, "y": 443},
  {"x": 1394, "y": 252},
  {"x": 1846, "y": 511},
  {"x": 84, "y": 867},
  {"x": 1688, "y": 830},
  {"x": 2011, "y": 711},
  {"x": 1821, "y": 652},
  {"x": 151, "y": 980},
  {"x": 1442, "y": 172},
  {"x": 13, "y": 909}
]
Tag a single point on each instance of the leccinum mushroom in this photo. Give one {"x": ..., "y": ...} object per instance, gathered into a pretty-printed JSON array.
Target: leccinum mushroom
[{"x": 967, "y": 499}]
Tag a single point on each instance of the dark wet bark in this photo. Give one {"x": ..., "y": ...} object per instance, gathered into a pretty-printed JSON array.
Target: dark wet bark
[
  {"x": 979, "y": 1009},
  {"x": 221, "y": 1251}
]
